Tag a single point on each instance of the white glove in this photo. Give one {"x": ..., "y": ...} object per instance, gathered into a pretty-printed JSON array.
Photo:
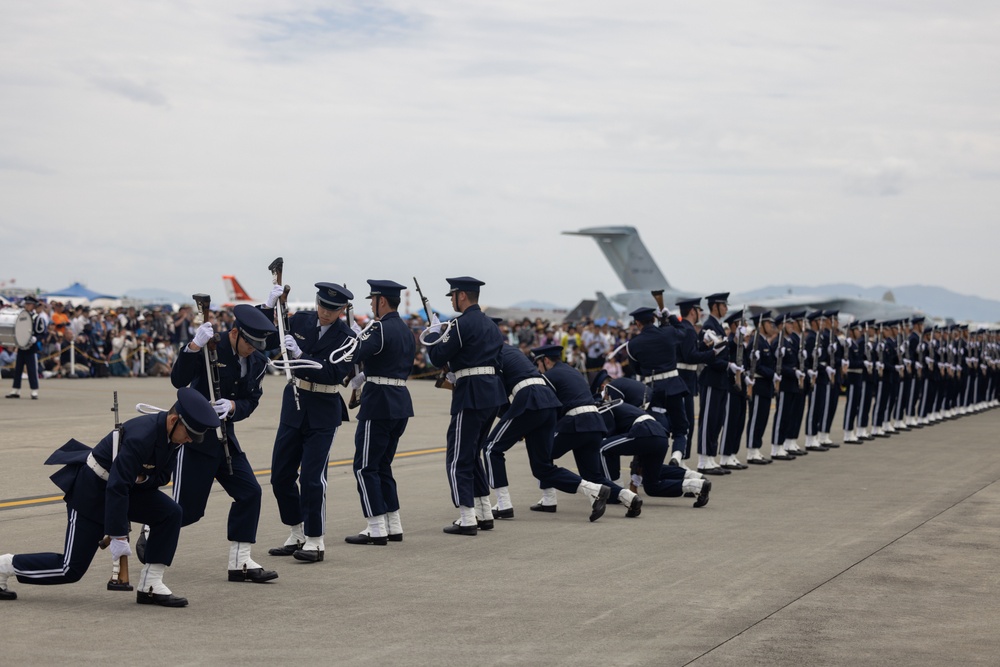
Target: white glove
[
  {"x": 756, "y": 355},
  {"x": 776, "y": 379},
  {"x": 203, "y": 334},
  {"x": 880, "y": 347},
  {"x": 664, "y": 313},
  {"x": 435, "y": 326},
  {"x": 803, "y": 354},
  {"x": 799, "y": 374},
  {"x": 929, "y": 361},
  {"x": 918, "y": 365},
  {"x": 735, "y": 369},
  {"x": 34, "y": 339},
  {"x": 812, "y": 374},
  {"x": 845, "y": 364},
  {"x": 880, "y": 366},
  {"x": 750, "y": 381},
  {"x": 120, "y": 547},
  {"x": 292, "y": 347},
  {"x": 781, "y": 352},
  {"x": 831, "y": 371},
  {"x": 272, "y": 297},
  {"x": 223, "y": 407},
  {"x": 742, "y": 331},
  {"x": 355, "y": 327},
  {"x": 357, "y": 381},
  {"x": 451, "y": 377},
  {"x": 869, "y": 366},
  {"x": 899, "y": 368}
]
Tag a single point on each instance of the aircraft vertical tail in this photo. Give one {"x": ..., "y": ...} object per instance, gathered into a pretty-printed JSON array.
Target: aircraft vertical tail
[
  {"x": 234, "y": 290},
  {"x": 628, "y": 257}
]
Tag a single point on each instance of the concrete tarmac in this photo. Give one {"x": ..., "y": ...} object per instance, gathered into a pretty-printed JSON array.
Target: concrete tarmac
[{"x": 880, "y": 554}]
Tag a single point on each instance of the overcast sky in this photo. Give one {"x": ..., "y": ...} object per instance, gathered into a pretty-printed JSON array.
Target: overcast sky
[{"x": 162, "y": 144}]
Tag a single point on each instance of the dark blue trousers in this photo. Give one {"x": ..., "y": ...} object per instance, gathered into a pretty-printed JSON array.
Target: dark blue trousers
[
  {"x": 197, "y": 467},
  {"x": 301, "y": 495},
  {"x": 375, "y": 443},
  {"x": 26, "y": 359},
  {"x": 710, "y": 419},
  {"x": 650, "y": 451},
  {"x": 537, "y": 428},
  {"x": 153, "y": 508},
  {"x": 466, "y": 438}
]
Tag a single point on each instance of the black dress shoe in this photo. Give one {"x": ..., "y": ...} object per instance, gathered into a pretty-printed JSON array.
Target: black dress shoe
[
  {"x": 395, "y": 537},
  {"x": 600, "y": 503},
  {"x": 484, "y": 524},
  {"x": 285, "y": 550},
  {"x": 818, "y": 448},
  {"x": 255, "y": 575},
  {"x": 12, "y": 395},
  {"x": 782, "y": 457},
  {"x": 758, "y": 462},
  {"x": 310, "y": 556},
  {"x": 797, "y": 452},
  {"x": 703, "y": 496},
  {"x": 674, "y": 462},
  {"x": 734, "y": 466},
  {"x": 460, "y": 530},
  {"x": 881, "y": 435},
  {"x": 361, "y": 538},
  {"x": 504, "y": 514},
  {"x": 538, "y": 507},
  {"x": 634, "y": 508},
  {"x": 7, "y": 594},
  {"x": 689, "y": 494},
  {"x": 170, "y": 600},
  {"x": 830, "y": 445},
  {"x": 712, "y": 471}
]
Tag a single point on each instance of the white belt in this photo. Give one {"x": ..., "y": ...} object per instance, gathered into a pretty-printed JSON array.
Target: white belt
[
  {"x": 580, "y": 410},
  {"x": 660, "y": 376},
  {"x": 316, "y": 387},
  {"x": 661, "y": 411},
  {"x": 475, "y": 370},
  {"x": 853, "y": 370},
  {"x": 96, "y": 467},
  {"x": 643, "y": 418},
  {"x": 392, "y": 382},
  {"x": 525, "y": 383},
  {"x": 687, "y": 367}
]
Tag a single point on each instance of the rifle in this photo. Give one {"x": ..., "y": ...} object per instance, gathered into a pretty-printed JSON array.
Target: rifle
[
  {"x": 275, "y": 268},
  {"x": 441, "y": 382},
  {"x": 779, "y": 358},
  {"x": 753, "y": 356},
  {"x": 738, "y": 377},
  {"x": 119, "y": 567},
  {"x": 881, "y": 351},
  {"x": 803, "y": 355},
  {"x": 658, "y": 297},
  {"x": 203, "y": 302},
  {"x": 355, "y": 400}
]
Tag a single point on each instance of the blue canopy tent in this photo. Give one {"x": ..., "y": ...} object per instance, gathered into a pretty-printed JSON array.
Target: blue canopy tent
[{"x": 77, "y": 291}]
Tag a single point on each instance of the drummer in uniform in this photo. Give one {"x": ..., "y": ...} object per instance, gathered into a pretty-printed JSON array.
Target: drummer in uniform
[{"x": 26, "y": 359}]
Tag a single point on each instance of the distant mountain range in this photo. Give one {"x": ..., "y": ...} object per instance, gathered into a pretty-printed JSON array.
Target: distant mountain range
[{"x": 935, "y": 301}]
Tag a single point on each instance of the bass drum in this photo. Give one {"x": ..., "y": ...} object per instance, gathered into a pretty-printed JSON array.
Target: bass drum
[{"x": 15, "y": 327}]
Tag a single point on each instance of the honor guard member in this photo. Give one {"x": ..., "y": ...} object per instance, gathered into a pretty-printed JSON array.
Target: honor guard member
[
  {"x": 689, "y": 356},
  {"x": 634, "y": 433},
  {"x": 241, "y": 371},
  {"x": 653, "y": 352},
  {"x": 787, "y": 378},
  {"x": 817, "y": 381},
  {"x": 913, "y": 359},
  {"x": 634, "y": 393},
  {"x": 308, "y": 426},
  {"x": 26, "y": 359},
  {"x": 532, "y": 415},
  {"x": 736, "y": 398},
  {"x": 713, "y": 384},
  {"x": 759, "y": 380},
  {"x": 852, "y": 368},
  {"x": 834, "y": 355},
  {"x": 870, "y": 378},
  {"x": 471, "y": 348},
  {"x": 104, "y": 494},
  {"x": 387, "y": 350},
  {"x": 580, "y": 429},
  {"x": 883, "y": 350}
]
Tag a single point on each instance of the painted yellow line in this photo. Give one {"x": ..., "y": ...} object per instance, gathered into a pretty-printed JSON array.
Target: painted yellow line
[{"x": 47, "y": 500}]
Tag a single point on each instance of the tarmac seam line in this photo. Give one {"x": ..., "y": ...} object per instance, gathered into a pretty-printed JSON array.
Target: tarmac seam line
[{"x": 841, "y": 573}]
